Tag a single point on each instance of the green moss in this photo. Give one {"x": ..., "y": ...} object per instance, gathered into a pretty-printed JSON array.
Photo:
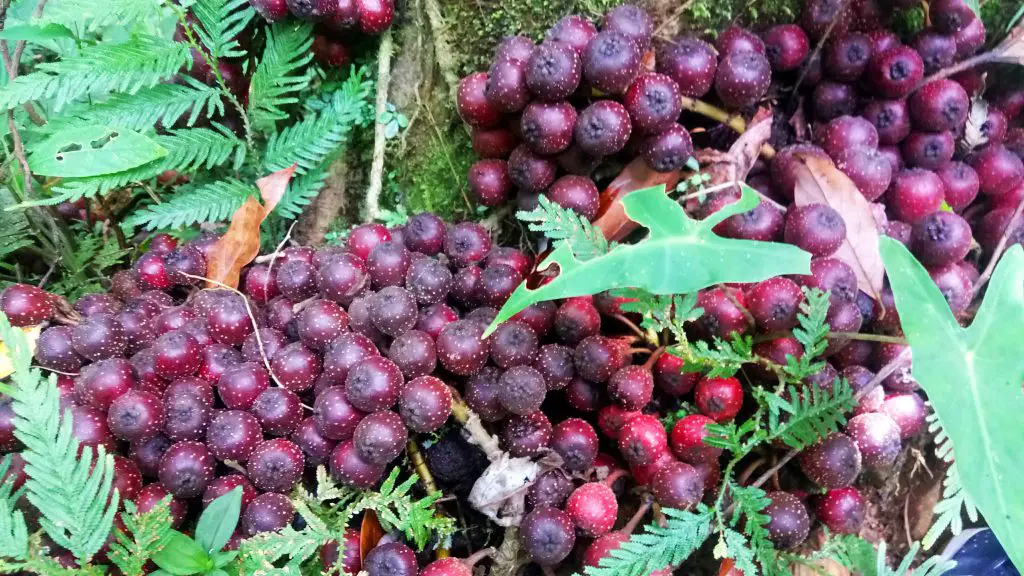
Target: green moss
[
  {"x": 711, "y": 16},
  {"x": 434, "y": 179},
  {"x": 478, "y": 26}
]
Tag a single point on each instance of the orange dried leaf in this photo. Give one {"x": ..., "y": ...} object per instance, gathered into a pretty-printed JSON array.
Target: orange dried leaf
[
  {"x": 820, "y": 182},
  {"x": 637, "y": 175},
  {"x": 370, "y": 533},
  {"x": 241, "y": 243}
]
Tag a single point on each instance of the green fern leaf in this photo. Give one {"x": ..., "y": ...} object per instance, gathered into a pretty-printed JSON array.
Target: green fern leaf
[
  {"x": 812, "y": 415},
  {"x": 301, "y": 191},
  {"x": 950, "y": 510},
  {"x": 565, "y": 226},
  {"x": 281, "y": 74},
  {"x": 14, "y": 228},
  {"x": 852, "y": 552},
  {"x": 262, "y": 553},
  {"x": 89, "y": 15},
  {"x": 310, "y": 141},
  {"x": 72, "y": 492},
  {"x": 212, "y": 202},
  {"x": 220, "y": 22},
  {"x": 144, "y": 535},
  {"x": 128, "y": 67},
  {"x": 658, "y": 547},
  {"x": 13, "y": 531},
  {"x": 162, "y": 104}
]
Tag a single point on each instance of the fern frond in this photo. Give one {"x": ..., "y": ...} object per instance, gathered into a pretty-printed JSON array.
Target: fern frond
[
  {"x": 13, "y": 531},
  {"x": 932, "y": 566},
  {"x": 301, "y": 191},
  {"x": 950, "y": 510},
  {"x": 812, "y": 332},
  {"x": 750, "y": 503},
  {"x": 812, "y": 414},
  {"x": 162, "y": 104},
  {"x": 220, "y": 22},
  {"x": 14, "y": 227},
  {"x": 144, "y": 535},
  {"x": 850, "y": 551},
  {"x": 660, "y": 312},
  {"x": 128, "y": 67},
  {"x": 72, "y": 492},
  {"x": 89, "y": 15},
  {"x": 261, "y": 553},
  {"x": 309, "y": 141},
  {"x": 187, "y": 150},
  {"x": 213, "y": 202},
  {"x": 564, "y": 225},
  {"x": 721, "y": 358},
  {"x": 281, "y": 74},
  {"x": 658, "y": 547}
]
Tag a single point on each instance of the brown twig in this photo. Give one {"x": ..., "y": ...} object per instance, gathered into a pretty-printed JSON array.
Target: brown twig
[
  {"x": 672, "y": 19},
  {"x": 749, "y": 470},
  {"x": 11, "y": 62},
  {"x": 737, "y": 123},
  {"x": 882, "y": 374},
  {"x": 629, "y": 324},
  {"x": 747, "y": 316},
  {"x": 1000, "y": 248},
  {"x": 967, "y": 64},
  {"x": 818, "y": 47},
  {"x": 252, "y": 319},
  {"x": 115, "y": 224}
]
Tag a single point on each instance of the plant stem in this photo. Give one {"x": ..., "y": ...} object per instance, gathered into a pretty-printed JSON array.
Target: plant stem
[
  {"x": 967, "y": 64},
  {"x": 868, "y": 337},
  {"x": 737, "y": 123},
  {"x": 1000, "y": 248},
  {"x": 379, "y": 135}
]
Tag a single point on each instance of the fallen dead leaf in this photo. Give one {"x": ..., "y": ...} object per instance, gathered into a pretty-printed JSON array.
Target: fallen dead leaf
[
  {"x": 974, "y": 135},
  {"x": 734, "y": 165},
  {"x": 32, "y": 335},
  {"x": 819, "y": 181},
  {"x": 611, "y": 217},
  {"x": 241, "y": 243},
  {"x": 370, "y": 533},
  {"x": 510, "y": 556},
  {"x": 500, "y": 492},
  {"x": 1011, "y": 49}
]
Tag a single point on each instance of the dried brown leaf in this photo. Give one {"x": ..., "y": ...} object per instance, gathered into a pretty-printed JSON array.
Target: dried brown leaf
[
  {"x": 241, "y": 243},
  {"x": 637, "y": 175},
  {"x": 1011, "y": 49},
  {"x": 820, "y": 182},
  {"x": 734, "y": 165}
]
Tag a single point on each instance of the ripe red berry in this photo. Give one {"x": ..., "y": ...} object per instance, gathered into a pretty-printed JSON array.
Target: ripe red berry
[
  {"x": 481, "y": 394},
  {"x": 688, "y": 440},
  {"x": 489, "y": 182},
  {"x": 547, "y": 535},
  {"x": 101, "y": 383},
  {"x": 877, "y": 437},
  {"x": 895, "y": 73},
  {"x": 373, "y": 384},
  {"x": 425, "y": 404},
  {"x": 240, "y": 385},
  {"x": 349, "y": 468},
  {"x": 786, "y": 47},
  {"x": 279, "y": 411},
  {"x": 529, "y": 171},
  {"x": 375, "y": 16},
  {"x": 461, "y": 348},
  {"x": 267, "y": 513},
  {"x": 233, "y": 434},
  {"x": 296, "y": 367},
  {"x": 275, "y": 465},
  {"x": 593, "y": 508},
  {"x": 521, "y": 390},
  {"x": 186, "y": 417},
  {"x": 576, "y": 442},
  {"x": 551, "y": 488},
  {"x": 914, "y": 194},
  {"x": 54, "y": 350},
  {"x": 842, "y": 510},
  {"x": 393, "y": 559},
  {"x": 150, "y": 271},
  {"x": 525, "y": 436},
  {"x": 225, "y": 484},
  {"x": 151, "y": 494},
  {"x": 98, "y": 337},
  {"x": 677, "y": 485},
  {"x": 186, "y": 468},
  {"x": 26, "y": 305},
  {"x": 719, "y": 398},
  {"x": 553, "y": 71},
  {"x": 642, "y": 440},
  {"x": 472, "y": 102},
  {"x": 147, "y": 454},
  {"x": 742, "y": 78},
  {"x": 788, "y": 524},
  {"x": 380, "y": 437},
  {"x": 135, "y": 415},
  {"x": 834, "y": 462},
  {"x": 631, "y": 387},
  {"x": 362, "y": 239}
]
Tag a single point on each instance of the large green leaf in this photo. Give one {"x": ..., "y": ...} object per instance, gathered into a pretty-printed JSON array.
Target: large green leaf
[
  {"x": 973, "y": 379},
  {"x": 679, "y": 256},
  {"x": 93, "y": 150}
]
